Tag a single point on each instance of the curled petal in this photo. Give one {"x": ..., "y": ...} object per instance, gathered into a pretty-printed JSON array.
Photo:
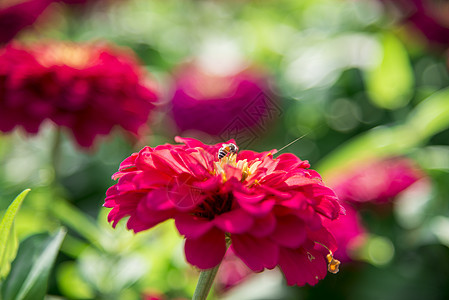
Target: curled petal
[
  {"x": 248, "y": 198},
  {"x": 129, "y": 162}
]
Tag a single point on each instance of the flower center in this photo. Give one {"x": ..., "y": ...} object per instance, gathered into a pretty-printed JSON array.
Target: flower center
[
  {"x": 214, "y": 206},
  {"x": 231, "y": 160}
]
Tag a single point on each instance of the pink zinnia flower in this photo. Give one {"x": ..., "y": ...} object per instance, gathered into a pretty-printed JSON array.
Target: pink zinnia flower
[
  {"x": 271, "y": 209},
  {"x": 377, "y": 181},
  {"x": 87, "y": 88},
  {"x": 216, "y": 104}
]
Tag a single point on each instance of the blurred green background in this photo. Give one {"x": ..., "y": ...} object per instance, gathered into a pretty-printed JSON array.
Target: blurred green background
[{"x": 350, "y": 75}]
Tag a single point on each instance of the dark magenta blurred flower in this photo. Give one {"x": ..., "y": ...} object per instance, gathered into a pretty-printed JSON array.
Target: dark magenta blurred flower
[
  {"x": 87, "y": 88},
  {"x": 348, "y": 232},
  {"x": 15, "y": 17},
  {"x": 215, "y": 104},
  {"x": 377, "y": 181},
  {"x": 270, "y": 208},
  {"x": 427, "y": 16}
]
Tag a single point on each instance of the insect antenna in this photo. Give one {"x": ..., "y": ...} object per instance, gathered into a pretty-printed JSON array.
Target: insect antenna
[{"x": 292, "y": 142}]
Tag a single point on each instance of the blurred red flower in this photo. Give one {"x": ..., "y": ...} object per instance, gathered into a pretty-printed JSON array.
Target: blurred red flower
[
  {"x": 270, "y": 208},
  {"x": 87, "y": 88},
  {"x": 216, "y": 104},
  {"x": 348, "y": 232},
  {"x": 377, "y": 181}
]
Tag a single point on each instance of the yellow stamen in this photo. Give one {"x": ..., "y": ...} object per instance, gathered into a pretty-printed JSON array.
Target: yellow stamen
[
  {"x": 333, "y": 264},
  {"x": 254, "y": 167}
]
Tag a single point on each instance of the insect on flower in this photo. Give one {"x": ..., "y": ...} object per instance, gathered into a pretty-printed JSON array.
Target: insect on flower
[{"x": 227, "y": 148}]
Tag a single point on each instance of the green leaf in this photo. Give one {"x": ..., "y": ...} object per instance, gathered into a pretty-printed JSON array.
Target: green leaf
[
  {"x": 430, "y": 117},
  {"x": 378, "y": 142},
  {"x": 75, "y": 219},
  {"x": 390, "y": 83},
  {"x": 8, "y": 238},
  {"x": 31, "y": 269}
]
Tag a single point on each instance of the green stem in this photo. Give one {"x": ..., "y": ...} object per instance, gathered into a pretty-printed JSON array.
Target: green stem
[
  {"x": 207, "y": 279},
  {"x": 56, "y": 153},
  {"x": 205, "y": 283}
]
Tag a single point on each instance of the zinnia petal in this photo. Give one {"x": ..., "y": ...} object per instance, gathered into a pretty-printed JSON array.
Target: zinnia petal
[
  {"x": 301, "y": 266},
  {"x": 256, "y": 253},
  {"x": 290, "y": 231},
  {"x": 235, "y": 221},
  {"x": 206, "y": 251}
]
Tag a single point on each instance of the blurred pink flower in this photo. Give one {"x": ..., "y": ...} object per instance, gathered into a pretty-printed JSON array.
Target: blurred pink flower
[
  {"x": 348, "y": 231},
  {"x": 270, "y": 208},
  {"x": 215, "y": 104},
  {"x": 427, "y": 16},
  {"x": 15, "y": 17},
  {"x": 87, "y": 88},
  {"x": 376, "y": 181}
]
